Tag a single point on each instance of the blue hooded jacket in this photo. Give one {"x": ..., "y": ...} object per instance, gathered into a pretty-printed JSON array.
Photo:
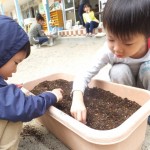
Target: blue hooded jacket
[{"x": 14, "y": 104}]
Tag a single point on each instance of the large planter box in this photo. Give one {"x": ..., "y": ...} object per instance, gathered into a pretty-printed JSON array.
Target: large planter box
[{"x": 77, "y": 136}]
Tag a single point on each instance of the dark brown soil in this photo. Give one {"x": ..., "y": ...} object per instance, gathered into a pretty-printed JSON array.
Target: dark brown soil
[
  {"x": 104, "y": 109},
  {"x": 32, "y": 131}
]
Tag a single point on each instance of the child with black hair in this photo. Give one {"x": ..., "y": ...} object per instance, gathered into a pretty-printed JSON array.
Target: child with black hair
[
  {"x": 127, "y": 26},
  {"x": 15, "y": 106},
  {"x": 89, "y": 19},
  {"x": 36, "y": 33}
]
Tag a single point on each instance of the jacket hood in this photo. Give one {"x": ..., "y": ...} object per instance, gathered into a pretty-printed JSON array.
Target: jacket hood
[{"x": 12, "y": 39}]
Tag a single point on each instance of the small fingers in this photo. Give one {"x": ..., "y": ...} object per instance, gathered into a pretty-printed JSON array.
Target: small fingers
[
  {"x": 75, "y": 115},
  {"x": 61, "y": 91},
  {"x": 80, "y": 116},
  {"x": 84, "y": 114}
]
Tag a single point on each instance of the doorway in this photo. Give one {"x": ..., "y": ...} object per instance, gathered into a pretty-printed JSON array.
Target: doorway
[{"x": 70, "y": 9}]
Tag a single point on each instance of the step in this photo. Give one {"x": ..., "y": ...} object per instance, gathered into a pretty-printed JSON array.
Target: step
[{"x": 77, "y": 32}]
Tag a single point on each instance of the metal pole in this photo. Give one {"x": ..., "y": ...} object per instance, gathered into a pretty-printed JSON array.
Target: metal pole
[
  {"x": 47, "y": 12},
  {"x": 29, "y": 9},
  {"x": 64, "y": 13},
  {"x": 18, "y": 11},
  {"x": 1, "y": 9}
]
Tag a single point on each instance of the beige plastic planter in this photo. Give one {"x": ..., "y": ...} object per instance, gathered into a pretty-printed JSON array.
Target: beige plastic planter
[{"x": 77, "y": 136}]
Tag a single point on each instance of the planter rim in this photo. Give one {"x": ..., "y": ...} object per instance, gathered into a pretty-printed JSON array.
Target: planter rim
[{"x": 102, "y": 137}]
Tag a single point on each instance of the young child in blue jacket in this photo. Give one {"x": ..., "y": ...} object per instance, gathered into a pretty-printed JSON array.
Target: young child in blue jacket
[
  {"x": 127, "y": 26},
  {"x": 15, "y": 106}
]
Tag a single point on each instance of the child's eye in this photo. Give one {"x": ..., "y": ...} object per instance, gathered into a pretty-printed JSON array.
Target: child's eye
[
  {"x": 110, "y": 40},
  {"x": 129, "y": 44}
]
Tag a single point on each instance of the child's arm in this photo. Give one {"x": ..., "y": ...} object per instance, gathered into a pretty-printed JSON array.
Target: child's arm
[
  {"x": 15, "y": 106},
  {"x": 78, "y": 109},
  {"x": 40, "y": 31},
  {"x": 84, "y": 18},
  {"x": 92, "y": 16},
  {"x": 83, "y": 78}
]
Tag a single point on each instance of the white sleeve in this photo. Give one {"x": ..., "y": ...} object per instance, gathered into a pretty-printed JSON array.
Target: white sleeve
[{"x": 100, "y": 60}]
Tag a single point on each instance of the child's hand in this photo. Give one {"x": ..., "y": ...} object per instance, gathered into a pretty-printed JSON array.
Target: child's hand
[
  {"x": 58, "y": 93},
  {"x": 78, "y": 109}
]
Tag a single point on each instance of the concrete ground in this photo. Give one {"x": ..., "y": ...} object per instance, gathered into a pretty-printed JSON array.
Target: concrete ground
[{"x": 69, "y": 55}]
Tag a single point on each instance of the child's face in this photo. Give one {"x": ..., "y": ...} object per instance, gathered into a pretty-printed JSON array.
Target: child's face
[
  {"x": 87, "y": 9},
  {"x": 135, "y": 47},
  {"x": 11, "y": 66},
  {"x": 41, "y": 22}
]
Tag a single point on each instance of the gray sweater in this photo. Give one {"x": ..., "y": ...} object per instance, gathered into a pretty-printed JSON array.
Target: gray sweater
[
  {"x": 104, "y": 57},
  {"x": 35, "y": 32}
]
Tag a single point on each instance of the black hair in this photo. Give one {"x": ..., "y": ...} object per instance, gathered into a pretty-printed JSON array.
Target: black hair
[
  {"x": 87, "y": 5},
  {"x": 96, "y": 5},
  {"x": 125, "y": 18},
  {"x": 39, "y": 17},
  {"x": 26, "y": 48}
]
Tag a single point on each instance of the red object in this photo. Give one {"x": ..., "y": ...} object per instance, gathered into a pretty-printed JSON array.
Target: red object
[{"x": 148, "y": 42}]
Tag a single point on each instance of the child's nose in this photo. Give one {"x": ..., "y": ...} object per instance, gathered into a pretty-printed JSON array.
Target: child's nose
[{"x": 117, "y": 47}]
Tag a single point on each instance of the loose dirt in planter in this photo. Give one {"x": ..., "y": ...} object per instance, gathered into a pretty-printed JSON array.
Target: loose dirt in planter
[{"x": 105, "y": 110}]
